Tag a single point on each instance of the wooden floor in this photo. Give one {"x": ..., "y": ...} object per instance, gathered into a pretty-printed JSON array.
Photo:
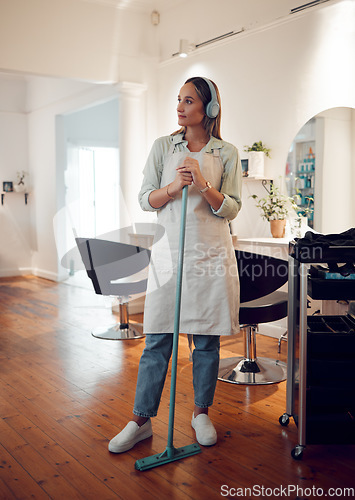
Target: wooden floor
[{"x": 64, "y": 394}]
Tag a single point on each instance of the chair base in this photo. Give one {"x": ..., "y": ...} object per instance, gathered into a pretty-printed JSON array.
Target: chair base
[
  {"x": 261, "y": 371},
  {"x": 117, "y": 332}
]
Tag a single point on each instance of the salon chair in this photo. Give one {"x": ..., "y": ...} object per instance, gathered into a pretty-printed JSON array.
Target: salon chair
[
  {"x": 108, "y": 265},
  {"x": 260, "y": 302}
]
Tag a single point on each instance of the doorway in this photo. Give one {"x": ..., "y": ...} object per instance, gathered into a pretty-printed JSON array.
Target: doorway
[
  {"x": 92, "y": 183},
  {"x": 89, "y": 173},
  {"x": 96, "y": 189}
]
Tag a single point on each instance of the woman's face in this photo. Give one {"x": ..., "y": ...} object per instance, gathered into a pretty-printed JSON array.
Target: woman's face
[{"x": 190, "y": 108}]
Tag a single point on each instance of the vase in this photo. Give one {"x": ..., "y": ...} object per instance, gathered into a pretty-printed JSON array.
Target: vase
[
  {"x": 256, "y": 164},
  {"x": 277, "y": 228},
  {"x": 300, "y": 226},
  {"x": 19, "y": 188}
]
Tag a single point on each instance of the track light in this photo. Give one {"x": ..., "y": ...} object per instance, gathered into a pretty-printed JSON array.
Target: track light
[{"x": 184, "y": 48}]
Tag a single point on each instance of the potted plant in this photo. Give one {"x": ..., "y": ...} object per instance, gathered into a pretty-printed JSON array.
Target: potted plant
[
  {"x": 257, "y": 153},
  {"x": 20, "y": 184},
  {"x": 304, "y": 211},
  {"x": 274, "y": 208}
]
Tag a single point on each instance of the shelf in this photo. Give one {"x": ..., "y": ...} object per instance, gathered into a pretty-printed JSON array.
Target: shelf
[
  {"x": 326, "y": 289},
  {"x": 309, "y": 172},
  {"x": 12, "y": 192},
  {"x": 256, "y": 179}
]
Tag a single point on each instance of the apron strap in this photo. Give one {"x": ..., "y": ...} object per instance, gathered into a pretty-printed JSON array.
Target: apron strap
[{"x": 216, "y": 153}]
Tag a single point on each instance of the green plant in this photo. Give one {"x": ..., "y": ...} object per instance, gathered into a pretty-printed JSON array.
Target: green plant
[
  {"x": 302, "y": 209},
  {"x": 305, "y": 210},
  {"x": 258, "y": 146},
  {"x": 275, "y": 205},
  {"x": 308, "y": 209},
  {"x": 21, "y": 174}
]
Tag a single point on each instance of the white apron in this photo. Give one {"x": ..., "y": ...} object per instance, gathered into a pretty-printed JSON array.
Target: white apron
[{"x": 210, "y": 285}]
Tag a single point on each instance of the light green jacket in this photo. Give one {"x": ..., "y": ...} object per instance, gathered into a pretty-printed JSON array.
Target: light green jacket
[{"x": 231, "y": 181}]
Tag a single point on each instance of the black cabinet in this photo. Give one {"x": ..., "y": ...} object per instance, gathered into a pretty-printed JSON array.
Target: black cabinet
[
  {"x": 330, "y": 388},
  {"x": 321, "y": 356}
]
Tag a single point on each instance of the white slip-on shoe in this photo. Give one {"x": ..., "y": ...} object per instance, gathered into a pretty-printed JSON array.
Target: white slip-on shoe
[
  {"x": 129, "y": 436},
  {"x": 205, "y": 432}
]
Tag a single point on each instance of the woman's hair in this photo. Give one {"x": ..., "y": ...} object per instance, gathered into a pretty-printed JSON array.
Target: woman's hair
[{"x": 211, "y": 125}]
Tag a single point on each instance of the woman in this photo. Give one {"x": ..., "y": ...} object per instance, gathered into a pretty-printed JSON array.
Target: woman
[{"x": 194, "y": 156}]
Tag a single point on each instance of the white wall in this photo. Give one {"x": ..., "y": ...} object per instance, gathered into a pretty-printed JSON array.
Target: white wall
[
  {"x": 15, "y": 236},
  {"x": 76, "y": 39},
  {"x": 96, "y": 125},
  {"x": 272, "y": 81},
  {"x": 57, "y": 38},
  {"x": 337, "y": 170}
]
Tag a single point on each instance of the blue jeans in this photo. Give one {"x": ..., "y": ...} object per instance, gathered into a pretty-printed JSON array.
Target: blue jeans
[{"x": 153, "y": 367}]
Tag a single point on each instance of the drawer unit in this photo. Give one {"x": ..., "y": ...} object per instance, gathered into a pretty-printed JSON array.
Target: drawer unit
[{"x": 321, "y": 349}]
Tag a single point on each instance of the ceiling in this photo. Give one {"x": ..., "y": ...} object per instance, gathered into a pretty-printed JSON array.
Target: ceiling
[{"x": 139, "y": 5}]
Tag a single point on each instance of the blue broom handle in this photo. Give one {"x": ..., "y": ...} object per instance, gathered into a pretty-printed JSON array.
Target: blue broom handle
[{"x": 177, "y": 318}]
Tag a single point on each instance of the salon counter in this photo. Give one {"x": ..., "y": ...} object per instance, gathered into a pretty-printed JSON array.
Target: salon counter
[{"x": 273, "y": 247}]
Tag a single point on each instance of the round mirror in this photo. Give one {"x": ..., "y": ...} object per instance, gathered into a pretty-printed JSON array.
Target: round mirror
[{"x": 319, "y": 169}]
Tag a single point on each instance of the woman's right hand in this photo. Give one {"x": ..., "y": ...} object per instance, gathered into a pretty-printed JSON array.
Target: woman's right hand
[
  {"x": 182, "y": 179},
  {"x": 159, "y": 197}
]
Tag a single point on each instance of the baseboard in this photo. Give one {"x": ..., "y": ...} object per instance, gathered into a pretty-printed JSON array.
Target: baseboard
[
  {"x": 48, "y": 275},
  {"x": 9, "y": 273},
  {"x": 275, "y": 329},
  {"x": 26, "y": 271}
]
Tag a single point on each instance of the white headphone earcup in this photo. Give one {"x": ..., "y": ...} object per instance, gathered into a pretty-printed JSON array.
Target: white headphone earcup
[
  {"x": 212, "y": 109},
  {"x": 215, "y": 109}
]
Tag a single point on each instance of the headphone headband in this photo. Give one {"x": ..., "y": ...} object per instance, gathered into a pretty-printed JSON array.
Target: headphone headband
[{"x": 212, "y": 108}]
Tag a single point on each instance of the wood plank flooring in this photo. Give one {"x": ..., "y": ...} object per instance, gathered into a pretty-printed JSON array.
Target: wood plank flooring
[{"x": 64, "y": 394}]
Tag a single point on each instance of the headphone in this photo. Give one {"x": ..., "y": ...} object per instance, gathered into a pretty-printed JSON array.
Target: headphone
[{"x": 212, "y": 108}]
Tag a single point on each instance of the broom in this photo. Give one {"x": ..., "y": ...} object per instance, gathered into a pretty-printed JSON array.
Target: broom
[{"x": 170, "y": 454}]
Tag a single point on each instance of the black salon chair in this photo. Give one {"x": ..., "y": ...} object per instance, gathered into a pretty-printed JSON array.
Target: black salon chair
[
  {"x": 108, "y": 265},
  {"x": 260, "y": 302}
]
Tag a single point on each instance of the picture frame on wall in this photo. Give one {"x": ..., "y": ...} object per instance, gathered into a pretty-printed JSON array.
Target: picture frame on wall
[
  {"x": 245, "y": 168},
  {"x": 7, "y": 186}
]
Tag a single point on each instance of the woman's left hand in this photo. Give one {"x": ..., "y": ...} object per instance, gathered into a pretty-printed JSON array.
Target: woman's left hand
[{"x": 191, "y": 165}]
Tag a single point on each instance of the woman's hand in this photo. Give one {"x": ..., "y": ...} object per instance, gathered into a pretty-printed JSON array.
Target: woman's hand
[
  {"x": 159, "y": 197},
  {"x": 186, "y": 174},
  {"x": 191, "y": 167},
  {"x": 183, "y": 178}
]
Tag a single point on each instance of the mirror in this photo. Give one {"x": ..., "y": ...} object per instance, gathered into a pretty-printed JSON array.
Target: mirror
[{"x": 319, "y": 169}]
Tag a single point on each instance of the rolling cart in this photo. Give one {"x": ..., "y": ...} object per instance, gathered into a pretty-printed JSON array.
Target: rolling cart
[{"x": 321, "y": 349}]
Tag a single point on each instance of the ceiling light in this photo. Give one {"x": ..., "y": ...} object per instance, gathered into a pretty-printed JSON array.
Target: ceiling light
[{"x": 184, "y": 48}]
